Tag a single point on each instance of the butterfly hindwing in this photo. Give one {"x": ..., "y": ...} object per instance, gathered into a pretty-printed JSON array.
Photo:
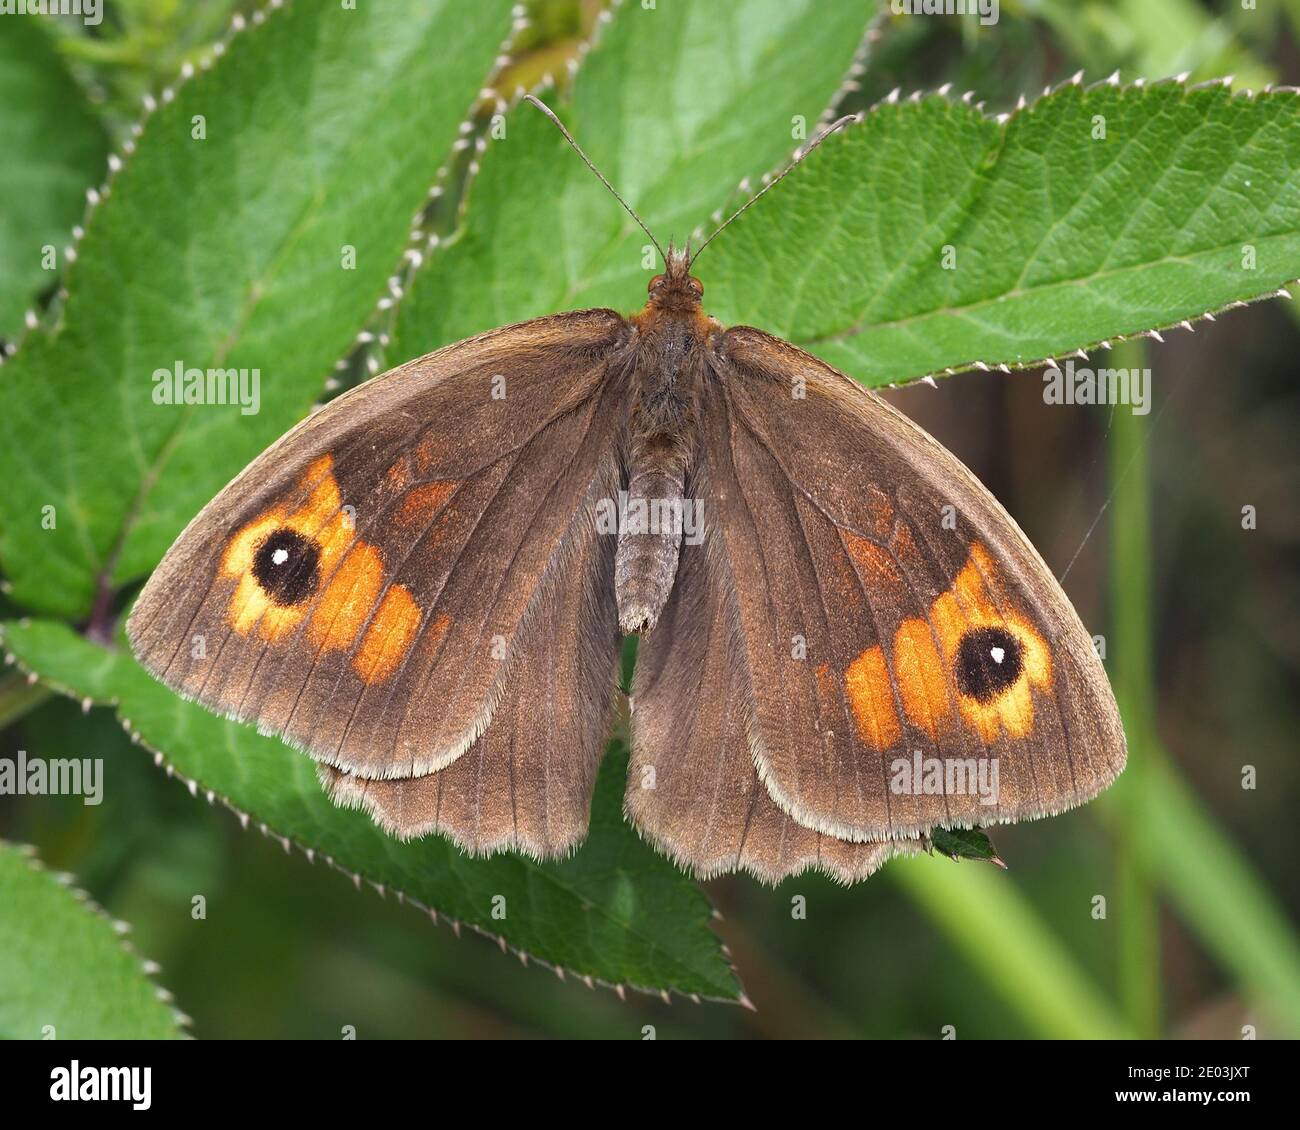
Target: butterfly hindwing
[
  {"x": 358, "y": 588},
  {"x": 692, "y": 787},
  {"x": 895, "y": 621}
]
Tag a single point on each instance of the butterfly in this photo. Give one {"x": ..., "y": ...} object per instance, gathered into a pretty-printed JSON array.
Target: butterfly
[{"x": 845, "y": 641}]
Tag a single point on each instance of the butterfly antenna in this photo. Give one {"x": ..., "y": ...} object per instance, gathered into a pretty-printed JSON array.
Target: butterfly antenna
[
  {"x": 816, "y": 141},
  {"x": 545, "y": 109}
]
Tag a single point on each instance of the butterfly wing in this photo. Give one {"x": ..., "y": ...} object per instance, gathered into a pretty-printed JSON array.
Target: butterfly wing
[
  {"x": 360, "y": 587},
  {"x": 526, "y": 782},
  {"x": 912, "y": 661},
  {"x": 692, "y": 787}
]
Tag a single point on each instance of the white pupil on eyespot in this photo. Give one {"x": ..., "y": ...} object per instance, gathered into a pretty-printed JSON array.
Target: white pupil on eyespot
[
  {"x": 280, "y": 556},
  {"x": 997, "y": 654}
]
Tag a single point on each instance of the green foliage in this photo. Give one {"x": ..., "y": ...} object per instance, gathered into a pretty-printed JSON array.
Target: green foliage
[
  {"x": 1165, "y": 37},
  {"x": 76, "y": 979},
  {"x": 1003, "y": 938},
  {"x": 324, "y": 128},
  {"x": 52, "y": 148},
  {"x": 616, "y": 911},
  {"x": 933, "y": 237},
  {"x": 674, "y": 105},
  {"x": 1167, "y": 836}
]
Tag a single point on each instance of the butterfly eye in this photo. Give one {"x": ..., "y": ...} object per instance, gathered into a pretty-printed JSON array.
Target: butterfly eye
[
  {"x": 287, "y": 567},
  {"x": 654, "y": 282},
  {"x": 989, "y": 663},
  {"x": 697, "y": 286}
]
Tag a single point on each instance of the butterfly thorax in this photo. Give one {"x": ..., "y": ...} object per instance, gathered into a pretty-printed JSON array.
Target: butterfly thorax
[{"x": 673, "y": 338}]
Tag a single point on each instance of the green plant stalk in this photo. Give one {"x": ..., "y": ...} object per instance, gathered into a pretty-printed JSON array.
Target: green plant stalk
[
  {"x": 1132, "y": 675},
  {"x": 1219, "y": 895},
  {"x": 1162, "y": 827},
  {"x": 1139, "y": 946},
  {"x": 1011, "y": 947}
]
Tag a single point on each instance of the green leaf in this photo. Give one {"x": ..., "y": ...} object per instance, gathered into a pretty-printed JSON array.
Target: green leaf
[
  {"x": 1060, "y": 241},
  {"x": 54, "y": 149},
  {"x": 324, "y": 129},
  {"x": 674, "y": 104},
  {"x": 615, "y": 911},
  {"x": 66, "y": 972},
  {"x": 965, "y": 843}
]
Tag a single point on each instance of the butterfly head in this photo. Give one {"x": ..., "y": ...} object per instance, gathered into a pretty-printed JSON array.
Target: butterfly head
[{"x": 676, "y": 288}]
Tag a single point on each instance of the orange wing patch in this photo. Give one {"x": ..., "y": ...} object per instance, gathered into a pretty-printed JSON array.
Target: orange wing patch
[
  {"x": 874, "y": 565},
  {"x": 348, "y": 599},
  {"x": 922, "y": 683},
  {"x": 873, "y": 569},
  {"x": 294, "y": 563},
  {"x": 994, "y": 658},
  {"x": 871, "y": 698},
  {"x": 904, "y": 548},
  {"x": 389, "y": 636},
  {"x": 398, "y": 477},
  {"x": 422, "y": 503}
]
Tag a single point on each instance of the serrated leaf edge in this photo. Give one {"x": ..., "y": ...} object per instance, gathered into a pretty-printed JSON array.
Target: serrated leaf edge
[
  {"x": 375, "y": 334},
  {"x": 1023, "y": 106},
  {"x": 435, "y": 242},
  {"x": 238, "y": 25},
  {"x": 745, "y": 189},
  {"x": 149, "y": 969}
]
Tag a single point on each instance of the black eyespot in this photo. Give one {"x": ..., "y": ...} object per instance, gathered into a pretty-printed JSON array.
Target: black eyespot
[
  {"x": 989, "y": 662},
  {"x": 287, "y": 566}
]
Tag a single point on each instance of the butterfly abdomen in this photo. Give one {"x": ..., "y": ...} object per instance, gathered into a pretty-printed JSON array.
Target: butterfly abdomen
[{"x": 652, "y": 518}]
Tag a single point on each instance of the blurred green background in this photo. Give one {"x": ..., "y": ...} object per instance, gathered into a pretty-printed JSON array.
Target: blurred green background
[{"x": 1203, "y": 644}]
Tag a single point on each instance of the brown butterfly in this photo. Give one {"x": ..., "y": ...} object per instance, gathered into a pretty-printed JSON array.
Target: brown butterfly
[{"x": 845, "y": 638}]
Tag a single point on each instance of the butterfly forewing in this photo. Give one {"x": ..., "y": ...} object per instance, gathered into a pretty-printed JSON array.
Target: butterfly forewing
[
  {"x": 900, "y": 631},
  {"x": 358, "y": 588}
]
